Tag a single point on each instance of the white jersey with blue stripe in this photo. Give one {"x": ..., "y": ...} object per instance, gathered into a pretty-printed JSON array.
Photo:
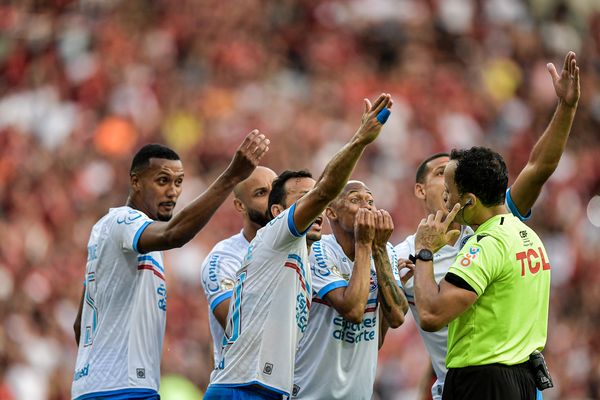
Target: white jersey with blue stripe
[
  {"x": 337, "y": 359},
  {"x": 219, "y": 273},
  {"x": 437, "y": 342},
  {"x": 124, "y": 312},
  {"x": 268, "y": 312}
]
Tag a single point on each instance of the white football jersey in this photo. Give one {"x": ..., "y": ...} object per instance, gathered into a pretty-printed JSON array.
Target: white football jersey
[
  {"x": 268, "y": 312},
  {"x": 337, "y": 359},
  {"x": 219, "y": 272},
  {"x": 437, "y": 342},
  {"x": 124, "y": 311}
]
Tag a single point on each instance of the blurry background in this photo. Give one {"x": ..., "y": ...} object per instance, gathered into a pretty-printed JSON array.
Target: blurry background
[{"x": 83, "y": 84}]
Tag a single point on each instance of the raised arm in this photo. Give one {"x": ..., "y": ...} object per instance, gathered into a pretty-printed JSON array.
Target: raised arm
[
  {"x": 393, "y": 302},
  {"x": 546, "y": 153},
  {"x": 189, "y": 221},
  {"x": 338, "y": 170},
  {"x": 351, "y": 301}
]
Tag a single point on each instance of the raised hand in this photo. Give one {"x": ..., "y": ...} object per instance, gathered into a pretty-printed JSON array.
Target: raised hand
[
  {"x": 248, "y": 155},
  {"x": 433, "y": 233},
  {"x": 372, "y": 120},
  {"x": 364, "y": 226},
  {"x": 566, "y": 84},
  {"x": 405, "y": 264},
  {"x": 384, "y": 226}
]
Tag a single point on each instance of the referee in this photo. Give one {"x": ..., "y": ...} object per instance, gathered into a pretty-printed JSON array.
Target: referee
[{"x": 495, "y": 295}]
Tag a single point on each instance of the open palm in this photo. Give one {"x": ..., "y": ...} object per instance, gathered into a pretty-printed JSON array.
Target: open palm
[{"x": 566, "y": 84}]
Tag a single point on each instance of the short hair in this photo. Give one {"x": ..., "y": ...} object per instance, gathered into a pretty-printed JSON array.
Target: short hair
[
  {"x": 278, "y": 192},
  {"x": 142, "y": 158},
  {"x": 481, "y": 171},
  {"x": 423, "y": 168}
]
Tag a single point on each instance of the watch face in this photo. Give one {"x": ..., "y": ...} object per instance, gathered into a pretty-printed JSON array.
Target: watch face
[{"x": 425, "y": 255}]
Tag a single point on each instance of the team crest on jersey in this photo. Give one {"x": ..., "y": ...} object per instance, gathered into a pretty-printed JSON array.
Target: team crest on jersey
[
  {"x": 373, "y": 282},
  {"x": 227, "y": 284},
  {"x": 470, "y": 256}
]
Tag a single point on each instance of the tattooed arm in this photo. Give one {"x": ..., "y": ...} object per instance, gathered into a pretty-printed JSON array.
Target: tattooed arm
[{"x": 391, "y": 298}]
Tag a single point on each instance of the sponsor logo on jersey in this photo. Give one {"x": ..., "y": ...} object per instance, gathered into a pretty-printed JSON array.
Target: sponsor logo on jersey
[
  {"x": 80, "y": 373},
  {"x": 268, "y": 369},
  {"x": 130, "y": 218},
  {"x": 352, "y": 333},
  {"x": 470, "y": 256},
  {"x": 373, "y": 281},
  {"x": 211, "y": 284},
  {"x": 320, "y": 268},
  {"x": 140, "y": 373}
]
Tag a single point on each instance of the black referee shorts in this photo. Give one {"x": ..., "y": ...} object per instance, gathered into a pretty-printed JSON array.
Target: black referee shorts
[{"x": 490, "y": 382}]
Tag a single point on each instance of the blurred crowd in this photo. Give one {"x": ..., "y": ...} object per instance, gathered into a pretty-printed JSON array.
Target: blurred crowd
[{"x": 84, "y": 83}]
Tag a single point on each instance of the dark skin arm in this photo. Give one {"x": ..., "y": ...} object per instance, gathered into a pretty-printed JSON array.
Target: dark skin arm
[
  {"x": 221, "y": 313},
  {"x": 546, "y": 153},
  {"x": 338, "y": 170},
  {"x": 350, "y": 301},
  {"x": 393, "y": 302},
  {"x": 189, "y": 221},
  {"x": 77, "y": 323}
]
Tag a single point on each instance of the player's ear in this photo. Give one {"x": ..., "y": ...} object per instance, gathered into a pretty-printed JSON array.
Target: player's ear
[
  {"x": 276, "y": 209},
  {"x": 238, "y": 205},
  {"x": 135, "y": 181},
  {"x": 420, "y": 191},
  {"x": 330, "y": 214}
]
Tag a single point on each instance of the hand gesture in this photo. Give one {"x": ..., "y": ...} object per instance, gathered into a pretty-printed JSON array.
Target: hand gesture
[
  {"x": 372, "y": 120},
  {"x": 405, "y": 264},
  {"x": 566, "y": 84},
  {"x": 384, "y": 226},
  {"x": 432, "y": 232},
  {"x": 364, "y": 226},
  {"x": 248, "y": 155}
]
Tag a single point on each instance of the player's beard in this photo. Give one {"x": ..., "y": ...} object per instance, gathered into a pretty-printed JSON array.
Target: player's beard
[
  {"x": 313, "y": 236},
  {"x": 257, "y": 217}
]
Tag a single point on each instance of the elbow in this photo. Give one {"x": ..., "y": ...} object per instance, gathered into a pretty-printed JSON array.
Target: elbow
[
  {"x": 397, "y": 321},
  {"x": 430, "y": 323},
  {"x": 354, "y": 315}
]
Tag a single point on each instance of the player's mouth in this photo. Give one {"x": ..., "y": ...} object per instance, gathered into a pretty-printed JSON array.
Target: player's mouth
[
  {"x": 318, "y": 224},
  {"x": 167, "y": 205}
]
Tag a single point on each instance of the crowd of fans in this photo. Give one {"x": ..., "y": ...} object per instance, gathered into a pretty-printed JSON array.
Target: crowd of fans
[{"x": 84, "y": 83}]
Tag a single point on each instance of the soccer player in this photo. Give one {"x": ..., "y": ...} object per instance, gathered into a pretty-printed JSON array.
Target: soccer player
[
  {"x": 354, "y": 272},
  {"x": 520, "y": 198},
  {"x": 495, "y": 296},
  {"x": 121, "y": 321},
  {"x": 269, "y": 308},
  {"x": 225, "y": 259}
]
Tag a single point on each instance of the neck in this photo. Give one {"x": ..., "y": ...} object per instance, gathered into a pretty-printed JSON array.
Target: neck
[
  {"x": 345, "y": 240},
  {"x": 486, "y": 213},
  {"x": 249, "y": 230}
]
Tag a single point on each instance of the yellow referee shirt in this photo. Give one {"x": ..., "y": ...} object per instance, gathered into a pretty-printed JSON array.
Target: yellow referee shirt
[{"x": 506, "y": 264}]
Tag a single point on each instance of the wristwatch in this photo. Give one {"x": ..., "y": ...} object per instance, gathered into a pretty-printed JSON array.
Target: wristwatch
[{"x": 424, "y": 255}]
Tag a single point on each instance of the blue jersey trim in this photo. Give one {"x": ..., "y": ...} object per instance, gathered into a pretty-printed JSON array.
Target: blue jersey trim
[
  {"x": 538, "y": 395},
  {"x": 139, "y": 232},
  {"x": 237, "y": 385},
  {"x": 329, "y": 287},
  {"x": 220, "y": 299},
  {"x": 121, "y": 394},
  {"x": 292, "y": 224},
  {"x": 372, "y": 301},
  {"x": 153, "y": 261},
  {"x": 513, "y": 208}
]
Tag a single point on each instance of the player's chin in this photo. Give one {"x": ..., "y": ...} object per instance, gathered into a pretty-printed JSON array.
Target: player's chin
[
  {"x": 313, "y": 236},
  {"x": 164, "y": 217}
]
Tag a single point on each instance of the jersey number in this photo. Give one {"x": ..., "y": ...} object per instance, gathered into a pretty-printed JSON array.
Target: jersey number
[{"x": 235, "y": 320}]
